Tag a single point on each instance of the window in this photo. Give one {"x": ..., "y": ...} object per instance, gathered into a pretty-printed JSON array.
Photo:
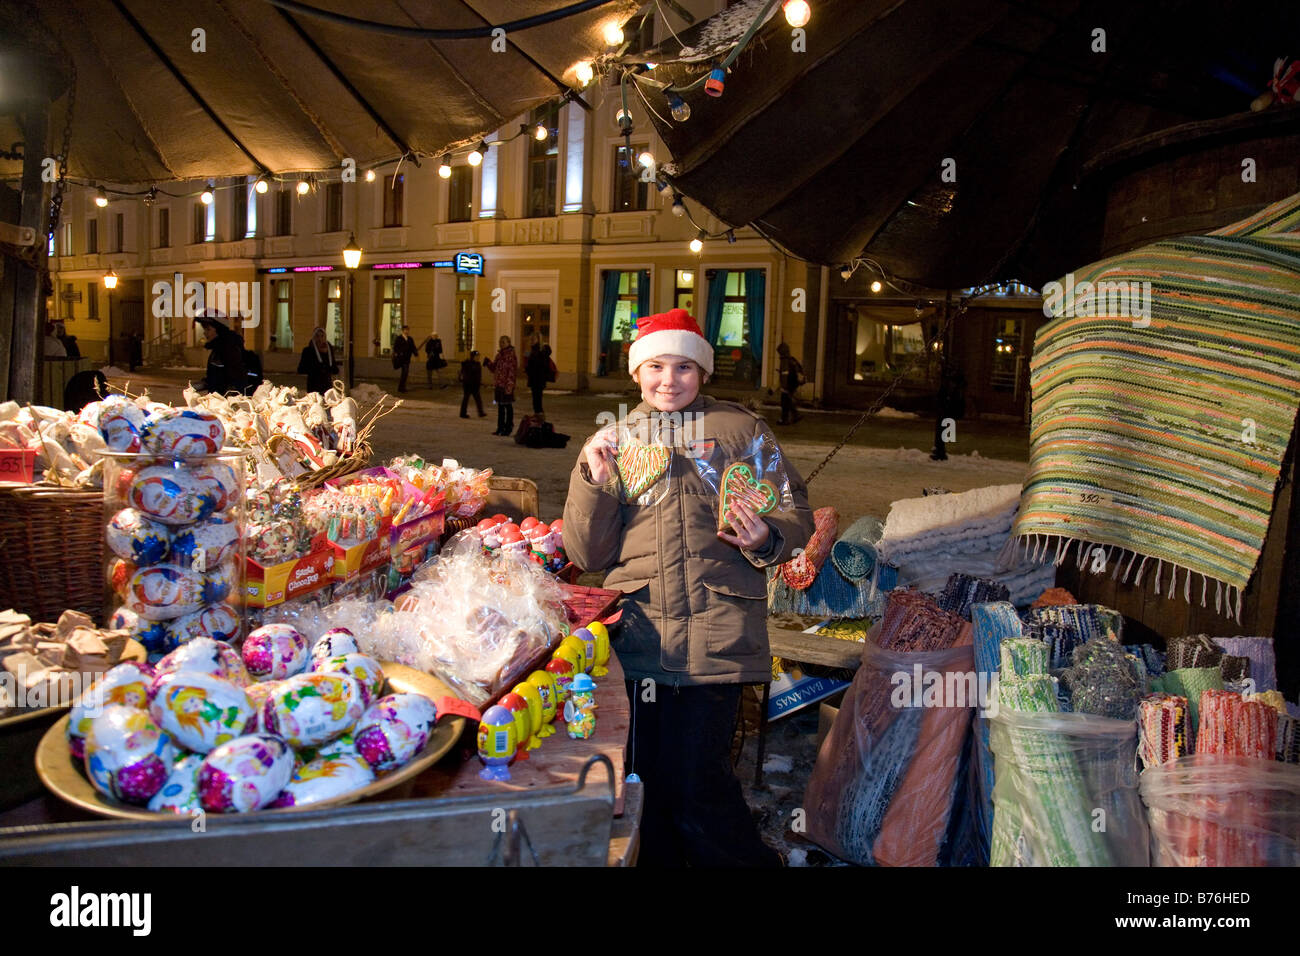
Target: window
[
  {"x": 283, "y": 305},
  {"x": 333, "y": 207},
  {"x": 210, "y": 221},
  {"x": 334, "y": 312},
  {"x": 393, "y": 190},
  {"x": 238, "y": 213},
  {"x": 250, "y": 209},
  {"x": 390, "y": 312},
  {"x": 630, "y": 193},
  {"x": 543, "y": 162},
  {"x": 1006, "y": 354},
  {"x": 68, "y": 293},
  {"x": 684, "y": 291},
  {"x": 199, "y": 225},
  {"x": 283, "y": 221},
  {"x": 119, "y": 233},
  {"x": 887, "y": 343},
  {"x": 92, "y": 300},
  {"x": 49, "y": 250},
  {"x": 67, "y": 239},
  {"x": 464, "y": 314},
  {"x": 164, "y": 228},
  {"x": 92, "y": 236},
  {"x": 625, "y": 298},
  {"x": 734, "y": 320},
  {"x": 460, "y": 201}
]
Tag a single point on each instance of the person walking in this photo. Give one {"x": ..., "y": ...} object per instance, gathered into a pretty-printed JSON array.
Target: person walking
[
  {"x": 791, "y": 374},
  {"x": 135, "y": 351},
  {"x": 504, "y": 369},
  {"x": 471, "y": 377},
  {"x": 225, "y": 372},
  {"x": 318, "y": 363},
  {"x": 538, "y": 372},
  {"x": 403, "y": 351},
  {"x": 433, "y": 360}
]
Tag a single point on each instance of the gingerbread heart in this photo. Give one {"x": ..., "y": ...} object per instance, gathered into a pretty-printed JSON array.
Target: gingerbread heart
[
  {"x": 640, "y": 466},
  {"x": 739, "y": 484}
]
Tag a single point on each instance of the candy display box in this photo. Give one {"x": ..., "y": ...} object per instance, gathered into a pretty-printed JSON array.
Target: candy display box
[
  {"x": 352, "y": 561},
  {"x": 269, "y": 585}
]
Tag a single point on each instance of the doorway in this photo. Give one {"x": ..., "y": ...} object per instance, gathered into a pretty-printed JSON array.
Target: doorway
[{"x": 534, "y": 324}]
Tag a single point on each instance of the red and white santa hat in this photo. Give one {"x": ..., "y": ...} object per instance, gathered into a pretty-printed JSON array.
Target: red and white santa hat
[{"x": 670, "y": 333}]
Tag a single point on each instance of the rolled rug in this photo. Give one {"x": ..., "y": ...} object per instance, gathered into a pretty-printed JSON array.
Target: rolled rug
[
  {"x": 1190, "y": 682},
  {"x": 992, "y": 624},
  {"x": 1104, "y": 680},
  {"x": 963, "y": 590},
  {"x": 1288, "y": 739},
  {"x": 1192, "y": 650},
  {"x": 1263, "y": 661},
  {"x": 1064, "y": 627},
  {"x": 1231, "y": 725},
  {"x": 1164, "y": 731},
  {"x": 800, "y": 572},
  {"x": 856, "y": 552},
  {"x": 1023, "y": 657}
]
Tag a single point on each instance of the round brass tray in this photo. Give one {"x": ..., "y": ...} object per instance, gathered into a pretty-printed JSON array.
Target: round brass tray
[
  {"x": 66, "y": 779},
  {"x": 134, "y": 651}
]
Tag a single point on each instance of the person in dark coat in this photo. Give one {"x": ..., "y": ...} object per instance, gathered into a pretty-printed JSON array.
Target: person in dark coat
[
  {"x": 505, "y": 370},
  {"x": 404, "y": 350},
  {"x": 318, "y": 363},
  {"x": 791, "y": 375},
  {"x": 538, "y": 371},
  {"x": 471, "y": 379},
  {"x": 225, "y": 358},
  {"x": 135, "y": 351},
  {"x": 433, "y": 360}
]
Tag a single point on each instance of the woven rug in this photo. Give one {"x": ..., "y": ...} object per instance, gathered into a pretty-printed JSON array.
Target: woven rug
[{"x": 1158, "y": 433}]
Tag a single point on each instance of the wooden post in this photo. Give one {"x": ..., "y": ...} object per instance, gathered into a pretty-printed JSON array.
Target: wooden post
[{"x": 25, "y": 353}]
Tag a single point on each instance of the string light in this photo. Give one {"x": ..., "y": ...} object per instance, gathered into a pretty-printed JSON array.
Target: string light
[
  {"x": 876, "y": 286},
  {"x": 697, "y": 244},
  {"x": 541, "y": 134},
  {"x": 679, "y": 207},
  {"x": 797, "y": 12},
  {"x": 846, "y": 273},
  {"x": 444, "y": 167},
  {"x": 370, "y": 175},
  {"x": 304, "y": 187},
  {"x": 476, "y": 157},
  {"x": 101, "y": 198},
  {"x": 205, "y": 197},
  {"x": 624, "y": 120},
  {"x": 585, "y": 72},
  {"x": 261, "y": 186},
  {"x": 646, "y": 159},
  {"x": 681, "y": 112},
  {"x": 614, "y": 35}
]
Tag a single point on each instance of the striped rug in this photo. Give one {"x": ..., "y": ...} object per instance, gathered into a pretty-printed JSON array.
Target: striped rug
[{"x": 1158, "y": 433}]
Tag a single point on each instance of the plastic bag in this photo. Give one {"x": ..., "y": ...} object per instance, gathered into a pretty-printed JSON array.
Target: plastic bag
[
  {"x": 1065, "y": 791},
  {"x": 757, "y": 476},
  {"x": 1215, "y": 810},
  {"x": 643, "y": 459},
  {"x": 886, "y": 777}
]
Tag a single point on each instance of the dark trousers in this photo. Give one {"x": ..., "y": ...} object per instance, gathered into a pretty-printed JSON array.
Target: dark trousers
[
  {"x": 464, "y": 402},
  {"x": 537, "y": 399},
  {"x": 788, "y": 408},
  {"x": 695, "y": 812},
  {"x": 505, "y": 417},
  {"x": 406, "y": 370}
]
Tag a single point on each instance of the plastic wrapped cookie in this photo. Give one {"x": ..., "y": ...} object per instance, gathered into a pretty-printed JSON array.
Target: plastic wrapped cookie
[
  {"x": 275, "y": 651},
  {"x": 199, "y": 711},
  {"x": 137, "y": 538},
  {"x": 218, "y": 622},
  {"x": 182, "y": 433},
  {"x": 258, "y": 692},
  {"x": 162, "y": 592},
  {"x": 120, "y": 423},
  {"x": 180, "y": 792},
  {"x": 205, "y": 656},
  {"x": 217, "y": 538},
  {"x": 171, "y": 495},
  {"x": 126, "y": 684},
  {"x": 154, "y": 635},
  {"x": 335, "y": 642},
  {"x": 395, "y": 729},
  {"x": 245, "y": 774},
  {"x": 310, "y": 709},
  {"x": 367, "y": 672},
  {"x": 128, "y": 757},
  {"x": 325, "y": 778}
]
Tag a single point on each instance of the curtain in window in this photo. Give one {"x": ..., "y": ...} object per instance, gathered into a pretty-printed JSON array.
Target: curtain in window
[
  {"x": 643, "y": 294},
  {"x": 755, "y": 289},
  {"x": 608, "y": 305},
  {"x": 713, "y": 311}
]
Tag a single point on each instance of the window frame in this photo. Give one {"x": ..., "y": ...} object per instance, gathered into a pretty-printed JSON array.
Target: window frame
[
  {"x": 332, "y": 208},
  {"x": 624, "y": 177},
  {"x": 394, "y": 200},
  {"x": 461, "y": 182}
]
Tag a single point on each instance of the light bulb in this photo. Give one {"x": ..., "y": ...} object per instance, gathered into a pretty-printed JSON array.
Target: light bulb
[
  {"x": 585, "y": 72},
  {"x": 696, "y": 246},
  {"x": 444, "y": 167},
  {"x": 680, "y": 111},
  {"x": 261, "y": 185},
  {"x": 876, "y": 286},
  {"x": 679, "y": 207},
  {"x": 797, "y": 12},
  {"x": 370, "y": 175},
  {"x": 624, "y": 119},
  {"x": 613, "y": 35},
  {"x": 846, "y": 273},
  {"x": 205, "y": 197},
  {"x": 304, "y": 187},
  {"x": 541, "y": 134},
  {"x": 646, "y": 159},
  {"x": 101, "y": 198},
  {"x": 352, "y": 252},
  {"x": 476, "y": 157}
]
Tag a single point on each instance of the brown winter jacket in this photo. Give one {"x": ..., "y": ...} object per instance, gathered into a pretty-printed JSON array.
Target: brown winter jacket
[{"x": 694, "y": 606}]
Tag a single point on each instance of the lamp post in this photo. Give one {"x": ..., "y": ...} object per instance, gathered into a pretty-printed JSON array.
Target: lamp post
[
  {"x": 351, "y": 259},
  {"x": 110, "y": 283}
]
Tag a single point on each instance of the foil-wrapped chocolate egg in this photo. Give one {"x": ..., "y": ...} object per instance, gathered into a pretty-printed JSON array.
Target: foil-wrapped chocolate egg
[
  {"x": 324, "y": 779},
  {"x": 154, "y": 635},
  {"x": 219, "y": 622},
  {"x": 171, "y": 495},
  {"x": 137, "y": 538},
  {"x": 258, "y": 692},
  {"x": 180, "y": 792},
  {"x": 395, "y": 729},
  {"x": 126, "y": 684},
  {"x": 121, "y": 423},
  {"x": 274, "y": 652},
  {"x": 219, "y": 582},
  {"x": 128, "y": 757},
  {"x": 205, "y": 656},
  {"x": 245, "y": 774},
  {"x": 221, "y": 479},
  {"x": 217, "y": 539},
  {"x": 120, "y": 572},
  {"x": 310, "y": 709},
  {"x": 335, "y": 642},
  {"x": 182, "y": 433},
  {"x": 199, "y": 711},
  {"x": 162, "y": 592},
  {"x": 367, "y": 672}
]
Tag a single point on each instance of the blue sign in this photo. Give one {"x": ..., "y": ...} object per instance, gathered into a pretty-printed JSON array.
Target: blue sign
[{"x": 469, "y": 263}]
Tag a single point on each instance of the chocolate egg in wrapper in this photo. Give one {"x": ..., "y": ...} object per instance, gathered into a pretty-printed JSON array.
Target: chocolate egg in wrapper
[
  {"x": 199, "y": 711},
  {"x": 216, "y": 538},
  {"x": 245, "y": 774},
  {"x": 311, "y": 709},
  {"x": 219, "y": 622},
  {"x": 126, "y": 684},
  {"x": 274, "y": 652},
  {"x": 121, "y": 423},
  {"x": 343, "y": 744},
  {"x": 171, "y": 495},
  {"x": 137, "y": 538},
  {"x": 324, "y": 779},
  {"x": 258, "y": 692},
  {"x": 120, "y": 572},
  {"x": 180, "y": 792},
  {"x": 365, "y": 670},
  {"x": 154, "y": 635},
  {"x": 162, "y": 592},
  {"x": 220, "y": 478},
  {"x": 128, "y": 757},
  {"x": 182, "y": 433},
  {"x": 335, "y": 642},
  {"x": 219, "y": 582},
  {"x": 394, "y": 730},
  {"x": 205, "y": 656}
]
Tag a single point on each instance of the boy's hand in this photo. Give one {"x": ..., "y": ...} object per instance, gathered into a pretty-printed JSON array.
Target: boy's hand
[
  {"x": 751, "y": 531},
  {"x": 599, "y": 451}
]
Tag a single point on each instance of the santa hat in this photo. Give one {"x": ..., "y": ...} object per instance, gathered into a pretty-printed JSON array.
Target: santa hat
[{"x": 670, "y": 333}]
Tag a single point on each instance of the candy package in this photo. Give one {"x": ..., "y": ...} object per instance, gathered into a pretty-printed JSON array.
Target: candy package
[
  {"x": 642, "y": 450},
  {"x": 755, "y": 475}
]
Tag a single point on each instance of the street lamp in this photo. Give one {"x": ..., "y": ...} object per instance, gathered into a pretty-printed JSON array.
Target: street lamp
[
  {"x": 110, "y": 283},
  {"x": 351, "y": 259}
]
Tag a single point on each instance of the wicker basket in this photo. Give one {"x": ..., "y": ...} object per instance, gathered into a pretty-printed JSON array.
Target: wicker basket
[
  {"x": 52, "y": 542},
  {"x": 359, "y": 459}
]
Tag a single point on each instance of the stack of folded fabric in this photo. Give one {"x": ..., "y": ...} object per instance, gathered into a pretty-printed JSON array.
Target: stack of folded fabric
[{"x": 933, "y": 537}]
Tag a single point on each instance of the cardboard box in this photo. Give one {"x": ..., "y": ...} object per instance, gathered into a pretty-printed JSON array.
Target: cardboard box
[
  {"x": 269, "y": 586},
  {"x": 358, "y": 559}
]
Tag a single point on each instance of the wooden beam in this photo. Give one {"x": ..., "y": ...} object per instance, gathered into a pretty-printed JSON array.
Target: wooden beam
[
  {"x": 25, "y": 353},
  {"x": 814, "y": 649}
]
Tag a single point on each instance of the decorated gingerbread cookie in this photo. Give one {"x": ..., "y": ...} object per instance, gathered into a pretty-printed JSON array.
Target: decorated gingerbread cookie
[
  {"x": 640, "y": 466},
  {"x": 739, "y": 484}
]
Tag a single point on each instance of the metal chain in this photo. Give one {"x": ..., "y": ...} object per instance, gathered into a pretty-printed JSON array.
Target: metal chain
[
  {"x": 875, "y": 406},
  {"x": 56, "y": 198}
]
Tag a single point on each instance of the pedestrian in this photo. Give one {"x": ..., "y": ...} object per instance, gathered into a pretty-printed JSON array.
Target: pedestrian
[
  {"x": 790, "y": 371},
  {"x": 403, "y": 351},
  {"x": 471, "y": 377},
  {"x": 135, "y": 351},
  {"x": 538, "y": 371},
  {"x": 225, "y": 372},
  {"x": 53, "y": 344},
  {"x": 694, "y": 600},
  {"x": 318, "y": 363},
  {"x": 504, "y": 369},
  {"x": 69, "y": 342},
  {"x": 433, "y": 360}
]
